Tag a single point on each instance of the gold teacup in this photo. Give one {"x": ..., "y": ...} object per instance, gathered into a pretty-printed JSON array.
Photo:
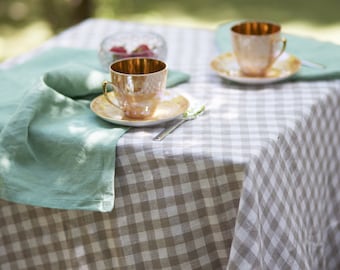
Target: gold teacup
[
  {"x": 138, "y": 85},
  {"x": 257, "y": 45}
]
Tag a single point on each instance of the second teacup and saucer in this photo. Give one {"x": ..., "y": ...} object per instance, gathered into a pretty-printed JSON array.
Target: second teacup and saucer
[{"x": 258, "y": 55}]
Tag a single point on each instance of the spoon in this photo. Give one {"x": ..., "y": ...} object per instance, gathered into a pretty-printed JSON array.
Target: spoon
[
  {"x": 190, "y": 114},
  {"x": 311, "y": 64}
]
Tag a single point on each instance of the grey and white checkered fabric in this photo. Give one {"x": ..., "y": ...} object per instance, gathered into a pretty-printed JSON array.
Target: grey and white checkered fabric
[{"x": 251, "y": 184}]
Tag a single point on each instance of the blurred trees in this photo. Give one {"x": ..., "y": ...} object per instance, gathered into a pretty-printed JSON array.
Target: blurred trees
[
  {"x": 71, "y": 12},
  {"x": 58, "y": 13},
  {"x": 61, "y": 14},
  {"x": 24, "y": 24}
]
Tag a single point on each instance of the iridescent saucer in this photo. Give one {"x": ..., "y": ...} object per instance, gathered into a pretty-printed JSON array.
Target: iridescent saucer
[
  {"x": 285, "y": 66},
  {"x": 171, "y": 106}
]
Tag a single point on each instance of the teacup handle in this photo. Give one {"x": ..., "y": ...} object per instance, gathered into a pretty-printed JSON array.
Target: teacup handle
[
  {"x": 283, "y": 48},
  {"x": 115, "y": 89}
]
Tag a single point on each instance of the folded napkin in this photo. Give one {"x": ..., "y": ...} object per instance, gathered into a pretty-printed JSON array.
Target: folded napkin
[
  {"x": 176, "y": 77},
  {"x": 54, "y": 152},
  {"x": 309, "y": 49}
]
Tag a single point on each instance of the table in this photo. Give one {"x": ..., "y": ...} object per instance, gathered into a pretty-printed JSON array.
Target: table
[{"x": 251, "y": 184}]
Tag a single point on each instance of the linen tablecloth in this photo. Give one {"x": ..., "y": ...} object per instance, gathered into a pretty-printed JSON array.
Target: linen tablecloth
[{"x": 251, "y": 184}]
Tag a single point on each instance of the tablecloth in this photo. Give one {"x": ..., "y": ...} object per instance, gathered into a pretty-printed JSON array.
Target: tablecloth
[{"x": 251, "y": 184}]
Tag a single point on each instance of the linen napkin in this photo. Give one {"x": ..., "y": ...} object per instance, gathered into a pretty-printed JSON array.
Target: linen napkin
[
  {"x": 325, "y": 53},
  {"x": 54, "y": 152}
]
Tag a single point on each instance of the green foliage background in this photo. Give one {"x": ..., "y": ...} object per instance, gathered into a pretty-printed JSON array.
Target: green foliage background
[{"x": 25, "y": 24}]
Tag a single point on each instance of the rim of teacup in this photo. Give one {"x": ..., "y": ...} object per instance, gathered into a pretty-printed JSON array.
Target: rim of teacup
[
  {"x": 277, "y": 26},
  {"x": 162, "y": 69}
]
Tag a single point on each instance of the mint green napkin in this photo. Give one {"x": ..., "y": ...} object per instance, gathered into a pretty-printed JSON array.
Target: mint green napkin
[
  {"x": 62, "y": 77},
  {"x": 54, "y": 152},
  {"x": 176, "y": 77},
  {"x": 309, "y": 49}
]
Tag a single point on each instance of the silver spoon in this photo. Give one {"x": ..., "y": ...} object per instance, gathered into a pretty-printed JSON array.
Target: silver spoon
[
  {"x": 311, "y": 64},
  {"x": 190, "y": 114}
]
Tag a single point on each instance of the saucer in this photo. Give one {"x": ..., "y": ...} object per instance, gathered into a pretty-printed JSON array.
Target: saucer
[
  {"x": 171, "y": 106},
  {"x": 284, "y": 67}
]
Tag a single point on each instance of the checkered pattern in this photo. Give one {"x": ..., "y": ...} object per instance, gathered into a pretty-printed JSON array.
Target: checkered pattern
[{"x": 251, "y": 184}]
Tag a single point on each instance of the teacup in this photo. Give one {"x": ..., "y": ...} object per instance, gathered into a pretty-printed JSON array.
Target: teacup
[
  {"x": 138, "y": 85},
  {"x": 256, "y": 46}
]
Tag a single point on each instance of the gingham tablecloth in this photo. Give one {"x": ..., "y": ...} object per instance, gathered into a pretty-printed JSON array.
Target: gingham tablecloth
[{"x": 254, "y": 183}]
